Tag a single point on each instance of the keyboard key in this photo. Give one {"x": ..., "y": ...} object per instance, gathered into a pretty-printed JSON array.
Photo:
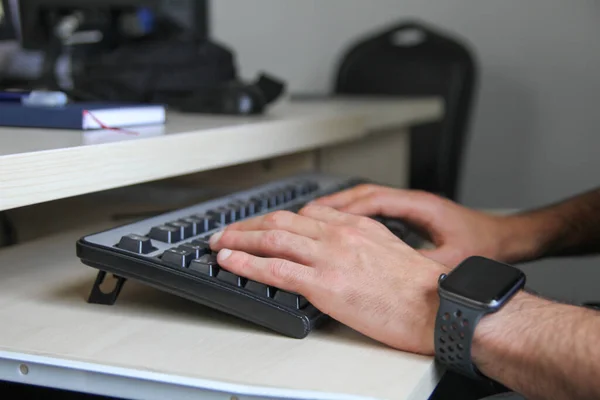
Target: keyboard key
[
  {"x": 290, "y": 300},
  {"x": 233, "y": 213},
  {"x": 298, "y": 191},
  {"x": 271, "y": 199},
  {"x": 230, "y": 278},
  {"x": 259, "y": 204},
  {"x": 187, "y": 229},
  {"x": 198, "y": 224},
  {"x": 289, "y": 193},
  {"x": 197, "y": 249},
  {"x": 206, "y": 265},
  {"x": 303, "y": 188},
  {"x": 260, "y": 289},
  {"x": 240, "y": 209},
  {"x": 208, "y": 223},
  {"x": 200, "y": 242},
  {"x": 249, "y": 207},
  {"x": 137, "y": 244},
  {"x": 266, "y": 197},
  {"x": 280, "y": 195},
  {"x": 178, "y": 257},
  {"x": 307, "y": 187},
  {"x": 220, "y": 216},
  {"x": 243, "y": 208},
  {"x": 166, "y": 234},
  {"x": 223, "y": 215}
]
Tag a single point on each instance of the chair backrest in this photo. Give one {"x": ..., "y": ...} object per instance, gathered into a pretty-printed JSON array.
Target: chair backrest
[{"x": 414, "y": 59}]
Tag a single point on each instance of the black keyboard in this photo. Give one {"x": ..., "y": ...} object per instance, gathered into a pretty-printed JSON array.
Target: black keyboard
[{"x": 170, "y": 252}]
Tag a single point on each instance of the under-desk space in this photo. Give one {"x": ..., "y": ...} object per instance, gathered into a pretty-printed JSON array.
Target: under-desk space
[{"x": 122, "y": 205}]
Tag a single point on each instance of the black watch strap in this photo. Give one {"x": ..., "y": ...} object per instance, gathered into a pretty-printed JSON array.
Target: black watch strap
[{"x": 454, "y": 330}]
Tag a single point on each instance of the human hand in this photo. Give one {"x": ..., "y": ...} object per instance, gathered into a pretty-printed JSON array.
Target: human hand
[
  {"x": 350, "y": 267},
  {"x": 456, "y": 231}
]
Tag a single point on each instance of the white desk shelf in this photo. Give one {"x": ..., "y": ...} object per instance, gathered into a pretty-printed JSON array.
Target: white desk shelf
[{"x": 42, "y": 165}]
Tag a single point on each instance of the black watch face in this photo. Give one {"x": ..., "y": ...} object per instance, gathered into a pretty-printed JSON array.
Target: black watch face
[{"x": 482, "y": 280}]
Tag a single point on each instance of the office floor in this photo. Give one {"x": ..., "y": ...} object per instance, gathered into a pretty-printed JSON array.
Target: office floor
[
  {"x": 26, "y": 392},
  {"x": 456, "y": 387}
]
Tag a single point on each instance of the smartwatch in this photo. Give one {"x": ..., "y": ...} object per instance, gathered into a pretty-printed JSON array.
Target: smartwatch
[{"x": 477, "y": 287}]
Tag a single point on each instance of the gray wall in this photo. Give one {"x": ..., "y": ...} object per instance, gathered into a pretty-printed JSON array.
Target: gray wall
[{"x": 536, "y": 127}]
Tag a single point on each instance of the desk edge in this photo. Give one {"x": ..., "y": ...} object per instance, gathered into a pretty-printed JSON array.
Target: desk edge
[{"x": 113, "y": 381}]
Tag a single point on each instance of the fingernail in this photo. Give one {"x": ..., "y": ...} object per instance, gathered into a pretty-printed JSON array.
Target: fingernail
[
  {"x": 224, "y": 254},
  {"x": 215, "y": 238}
]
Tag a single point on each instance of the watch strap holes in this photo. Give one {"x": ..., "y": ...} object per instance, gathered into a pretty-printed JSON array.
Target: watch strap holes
[{"x": 454, "y": 332}]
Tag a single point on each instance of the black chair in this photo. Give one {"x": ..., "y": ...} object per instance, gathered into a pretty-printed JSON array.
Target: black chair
[{"x": 414, "y": 59}]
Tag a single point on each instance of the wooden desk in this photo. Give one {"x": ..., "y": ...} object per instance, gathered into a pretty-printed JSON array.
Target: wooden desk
[{"x": 156, "y": 346}]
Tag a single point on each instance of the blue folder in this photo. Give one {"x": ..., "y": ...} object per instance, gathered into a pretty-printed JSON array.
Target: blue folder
[{"x": 81, "y": 116}]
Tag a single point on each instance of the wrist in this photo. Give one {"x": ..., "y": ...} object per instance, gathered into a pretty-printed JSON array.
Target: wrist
[
  {"x": 430, "y": 287},
  {"x": 496, "y": 334},
  {"x": 526, "y": 237}
]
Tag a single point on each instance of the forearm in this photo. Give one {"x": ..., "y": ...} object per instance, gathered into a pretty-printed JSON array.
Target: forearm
[
  {"x": 571, "y": 227},
  {"x": 541, "y": 349}
]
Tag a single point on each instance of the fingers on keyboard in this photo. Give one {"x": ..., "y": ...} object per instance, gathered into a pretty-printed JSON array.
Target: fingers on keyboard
[
  {"x": 208, "y": 267},
  {"x": 188, "y": 253}
]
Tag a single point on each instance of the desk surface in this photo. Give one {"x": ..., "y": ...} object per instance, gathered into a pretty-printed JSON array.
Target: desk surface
[
  {"x": 152, "y": 345},
  {"x": 38, "y": 165},
  {"x": 151, "y": 336}
]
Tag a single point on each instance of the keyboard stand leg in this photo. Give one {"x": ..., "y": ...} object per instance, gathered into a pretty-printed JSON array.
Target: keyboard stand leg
[{"x": 97, "y": 296}]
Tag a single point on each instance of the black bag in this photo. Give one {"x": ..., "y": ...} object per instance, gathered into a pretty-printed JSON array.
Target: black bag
[{"x": 186, "y": 75}]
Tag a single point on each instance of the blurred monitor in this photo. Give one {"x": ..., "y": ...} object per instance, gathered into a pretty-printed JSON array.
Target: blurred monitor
[{"x": 36, "y": 20}]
